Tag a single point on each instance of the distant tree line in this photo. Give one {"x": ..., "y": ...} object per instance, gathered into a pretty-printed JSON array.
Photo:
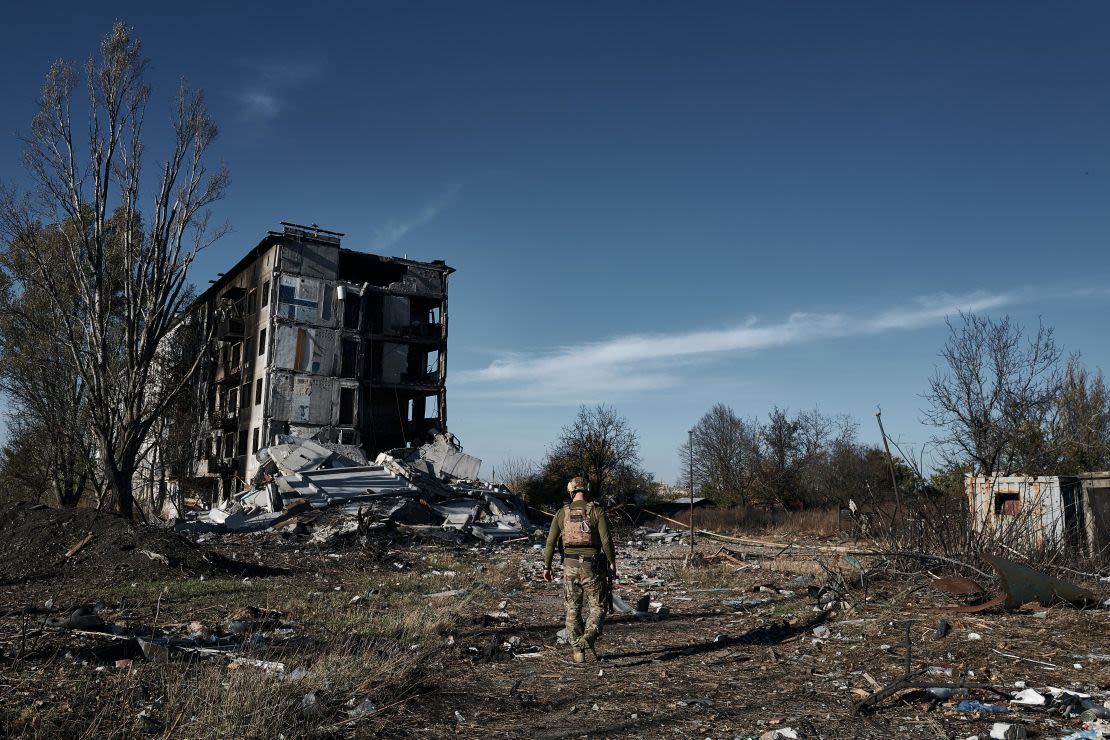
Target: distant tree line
[{"x": 800, "y": 460}]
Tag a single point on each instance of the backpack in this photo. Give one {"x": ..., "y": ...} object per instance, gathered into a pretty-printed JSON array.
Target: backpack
[{"x": 578, "y": 529}]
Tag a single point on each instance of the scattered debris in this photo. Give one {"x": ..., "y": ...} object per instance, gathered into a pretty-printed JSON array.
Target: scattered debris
[
  {"x": 429, "y": 491},
  {"x": 1008, "y": 731},
  {"x": 971, "y": 705}
]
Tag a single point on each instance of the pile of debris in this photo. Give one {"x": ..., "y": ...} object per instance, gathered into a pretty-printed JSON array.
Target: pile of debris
[{"x": 432, "y": 490}]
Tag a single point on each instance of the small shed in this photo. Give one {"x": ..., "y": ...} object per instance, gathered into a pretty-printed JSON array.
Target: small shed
[
  {"x": 1043, "y": 511},
  {"x": 682, "y": 503}
]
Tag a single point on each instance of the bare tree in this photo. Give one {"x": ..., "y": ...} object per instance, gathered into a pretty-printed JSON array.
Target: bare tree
[
  {"x": 994, "y": 394},
  {"x": 600, "y": 445},
  {"x": 725, "y": 453},
  {"x": 1082, "y": 423},
  {"x": 121, "y": 279}
]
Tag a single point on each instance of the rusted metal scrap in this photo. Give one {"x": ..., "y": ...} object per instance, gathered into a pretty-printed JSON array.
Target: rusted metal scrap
[
  {"x": 958, "y": 586},
  {"x": 1021, "y": 584}
]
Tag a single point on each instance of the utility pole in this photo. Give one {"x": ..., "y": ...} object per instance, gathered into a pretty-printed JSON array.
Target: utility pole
[
  {"x": 691, "y": 450},
  {"x": 893, "y": 477}
]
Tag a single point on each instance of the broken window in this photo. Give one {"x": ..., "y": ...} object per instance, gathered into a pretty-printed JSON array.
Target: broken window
[
  {"x": 233, "y": 400},
  {"x": 431, "y": 407},
  {"x": 375, "y": 306},
  {"x": 236, "y": 353},
  {"x": 348, "y": 360},
  {"x": 1007, "y": 504},
  {"x": 261, "y": 342},
  {"x": 352, "y": 308},
  {"x": 258, "y": 391},
  {"x": 252, "y": 302},
  {"x": 433, "y": 362},
  {"x": 241, "y": 449},
  {"x": 245, "y": 393},
  {"x": 346, "y": 405},
  {"x": 266, "y": 292},
  {"x": 254, "y": 441}
]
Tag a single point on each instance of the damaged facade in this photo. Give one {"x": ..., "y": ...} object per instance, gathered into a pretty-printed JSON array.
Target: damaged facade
[
  {"x": 1043, "y": 511},
  {"x": 319, "y": 342}
]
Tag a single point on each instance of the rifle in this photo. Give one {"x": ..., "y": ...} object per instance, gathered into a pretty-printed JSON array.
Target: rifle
[{"x": 606, "y": 582}]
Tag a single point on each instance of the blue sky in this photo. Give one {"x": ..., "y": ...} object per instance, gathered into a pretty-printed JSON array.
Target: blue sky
[{"x": 658, "y": 206}]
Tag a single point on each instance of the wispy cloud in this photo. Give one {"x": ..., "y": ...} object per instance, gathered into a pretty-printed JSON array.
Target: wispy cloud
[
  {"x": 269, "y": 85},
  {"x": 637, "y": 363},
  {"x": 394, "y": 231}
]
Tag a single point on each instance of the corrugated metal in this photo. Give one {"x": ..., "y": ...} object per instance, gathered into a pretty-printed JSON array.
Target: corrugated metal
[{"x": 327, "y": 486}]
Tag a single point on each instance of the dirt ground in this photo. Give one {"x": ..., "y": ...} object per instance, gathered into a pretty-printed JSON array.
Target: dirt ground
[{"x": 409, "y": 638}]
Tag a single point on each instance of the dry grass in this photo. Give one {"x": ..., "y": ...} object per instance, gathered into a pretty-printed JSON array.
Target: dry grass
[
  {"x": 384, "y": 647},
  {"x": 746, "y": 520},
  {"x": 819, "y": 522},
  {"x": 205, "y": 699}
]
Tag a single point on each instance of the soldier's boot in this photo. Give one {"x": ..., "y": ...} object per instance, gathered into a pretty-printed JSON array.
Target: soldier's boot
[{"x": 589, "y": 644}]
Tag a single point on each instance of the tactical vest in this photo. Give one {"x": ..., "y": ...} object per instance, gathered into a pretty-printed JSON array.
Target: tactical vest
[{"x": 577, "y": 528}]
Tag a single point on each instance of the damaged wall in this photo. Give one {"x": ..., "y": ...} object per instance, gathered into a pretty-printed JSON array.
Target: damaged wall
[{"x": 1042, "y": 511}]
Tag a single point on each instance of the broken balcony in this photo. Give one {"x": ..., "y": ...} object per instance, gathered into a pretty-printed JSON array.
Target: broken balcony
[
  {"x": 227, "y": 372},
  {"x": 231, "y": 328},
  {"x": 224, "y": 420},
  {"x": 220, "y": 465}
]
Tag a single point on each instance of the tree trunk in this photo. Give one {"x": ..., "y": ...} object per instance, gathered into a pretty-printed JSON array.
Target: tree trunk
[{"x": 122, "y": 486}]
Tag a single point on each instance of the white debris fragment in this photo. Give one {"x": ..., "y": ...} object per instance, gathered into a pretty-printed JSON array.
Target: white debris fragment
[{"x": 1029, "y": 697}]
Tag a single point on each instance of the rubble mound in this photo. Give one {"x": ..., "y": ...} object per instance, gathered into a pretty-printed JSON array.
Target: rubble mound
[{"x": 37, "y": 540}]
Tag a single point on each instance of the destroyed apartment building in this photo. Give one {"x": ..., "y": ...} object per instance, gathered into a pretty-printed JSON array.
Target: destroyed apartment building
[
  {"x": 318, "y": 341},
  {"x": 1071, "y": 511},
  {"x": 322, "y": 359}
]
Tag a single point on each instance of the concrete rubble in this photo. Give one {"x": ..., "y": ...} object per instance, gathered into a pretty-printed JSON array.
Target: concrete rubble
[{"x": 431, "y": 490}]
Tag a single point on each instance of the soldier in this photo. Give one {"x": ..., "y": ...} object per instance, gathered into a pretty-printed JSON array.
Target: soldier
[{"x": 587, "y": 562}]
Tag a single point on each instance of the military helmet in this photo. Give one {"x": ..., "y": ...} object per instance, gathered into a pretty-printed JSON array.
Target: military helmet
[{"x": 578, "y": 484}]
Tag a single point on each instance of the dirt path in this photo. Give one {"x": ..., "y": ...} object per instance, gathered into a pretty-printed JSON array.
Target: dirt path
[{"x": 708, "y": 670}]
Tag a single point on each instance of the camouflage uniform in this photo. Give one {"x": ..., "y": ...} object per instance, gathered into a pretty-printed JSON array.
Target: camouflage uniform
[
  {"x": 581, "y": 580},
  {"x": 584, "y": 575}
]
